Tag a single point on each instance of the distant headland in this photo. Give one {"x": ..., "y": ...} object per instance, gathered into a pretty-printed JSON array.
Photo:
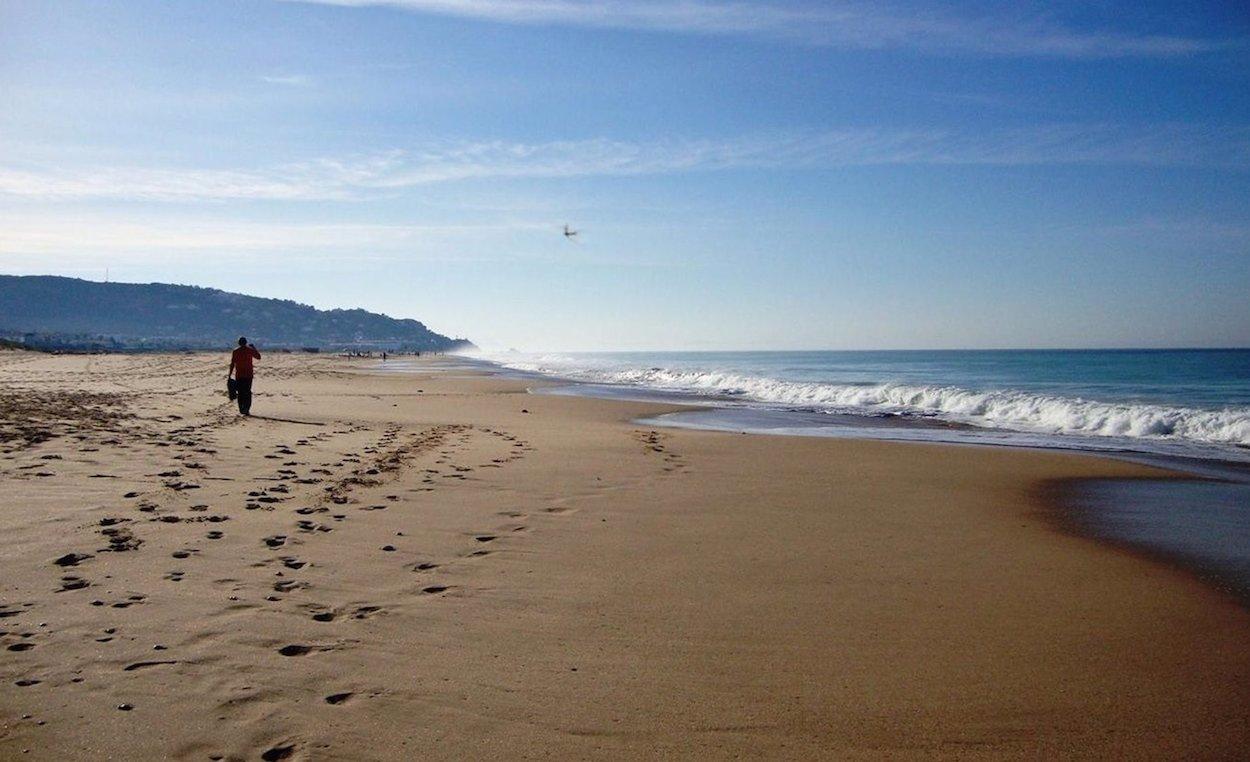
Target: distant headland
[{"x": 50, "y": 312}]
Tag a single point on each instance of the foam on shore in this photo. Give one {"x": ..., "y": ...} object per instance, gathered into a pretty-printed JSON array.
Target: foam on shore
[{"x": 998, "y": 409}]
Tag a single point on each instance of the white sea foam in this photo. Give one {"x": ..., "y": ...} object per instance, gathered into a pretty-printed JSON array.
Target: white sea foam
[{"x": 1001, "y": 409}]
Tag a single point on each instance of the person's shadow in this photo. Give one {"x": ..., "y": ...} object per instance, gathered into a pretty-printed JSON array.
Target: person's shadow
[{"x": 284, "y": 420}]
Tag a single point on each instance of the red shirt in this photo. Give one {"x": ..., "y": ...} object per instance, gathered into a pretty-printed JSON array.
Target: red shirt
[{"x": 241, "y": 359}]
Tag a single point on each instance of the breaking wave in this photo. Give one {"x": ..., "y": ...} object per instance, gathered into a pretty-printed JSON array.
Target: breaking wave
[{"x": 1001, "y": 409}]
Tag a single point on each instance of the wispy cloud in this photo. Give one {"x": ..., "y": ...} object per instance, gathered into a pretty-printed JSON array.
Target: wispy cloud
[
  {"x": 287, "y": 80},
  {"x": 1208, "y": 230},
  {"x": 389, "y": 172},
  {"x": 28, "y": 241},
  {"x": 319, "y": 179},
  {"x": 852, "y": 25}
]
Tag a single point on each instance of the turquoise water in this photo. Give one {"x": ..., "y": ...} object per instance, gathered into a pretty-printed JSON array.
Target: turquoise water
[{"x": 1172, "y": 401}]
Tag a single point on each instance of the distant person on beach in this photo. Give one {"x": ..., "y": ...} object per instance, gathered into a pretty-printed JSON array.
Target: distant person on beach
[{"x": 241, "y": 366}]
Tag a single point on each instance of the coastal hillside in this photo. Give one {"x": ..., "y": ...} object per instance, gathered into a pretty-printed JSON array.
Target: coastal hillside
[{"x": 69, "y": 313}]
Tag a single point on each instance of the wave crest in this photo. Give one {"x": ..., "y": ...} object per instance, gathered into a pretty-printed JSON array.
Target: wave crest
[{"x": 1004, "y": 409}]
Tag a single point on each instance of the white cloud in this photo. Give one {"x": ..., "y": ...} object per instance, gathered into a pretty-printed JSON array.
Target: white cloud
[
  {"x": 319, "y": 179},
  {"x": 852, "y": 25},
  {"x": 36, "y": 242},
  {"x": 289, "y": 80},
  {"x": 1207, "y": 230},
  {"x": 390, "y": 172}
]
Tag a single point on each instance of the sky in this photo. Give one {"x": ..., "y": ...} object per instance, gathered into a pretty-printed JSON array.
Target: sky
[{"x": 744, "y": 175}]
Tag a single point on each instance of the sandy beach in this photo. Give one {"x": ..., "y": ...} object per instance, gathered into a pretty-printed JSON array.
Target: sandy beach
[{"x": 440, "y": 565}]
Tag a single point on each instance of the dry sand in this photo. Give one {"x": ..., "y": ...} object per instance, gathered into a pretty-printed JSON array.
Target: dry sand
[{"x": 413, "y": 566}]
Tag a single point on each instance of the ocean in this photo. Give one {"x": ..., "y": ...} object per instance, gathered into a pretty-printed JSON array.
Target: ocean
[{"x": 1188, "y": 403}]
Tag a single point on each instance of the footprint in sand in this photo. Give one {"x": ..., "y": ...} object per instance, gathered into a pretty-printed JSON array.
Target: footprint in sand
[
  {"x": 120, "y": 540},
  {"x": 124, "y": 604},
  {"x": 146, "y": 664},
  {"x": 72, "y": 559},
  {"x": 336, "y": 698},
  {"x": 296, "y": 650},
  {"x": 72, "y": 583},
  {"x": 284, "y": 751}
]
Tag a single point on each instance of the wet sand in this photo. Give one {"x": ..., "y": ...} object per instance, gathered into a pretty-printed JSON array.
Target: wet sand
[{"x": 387, "y": 566}]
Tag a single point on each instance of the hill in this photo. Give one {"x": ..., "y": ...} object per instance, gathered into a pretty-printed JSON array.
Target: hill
[{"x": 54, "y": 312}]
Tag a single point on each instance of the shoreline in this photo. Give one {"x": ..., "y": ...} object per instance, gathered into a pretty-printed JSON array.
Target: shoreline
[
  {"x": 726, "y": 400},
  {"x": 562, "y": 581},
  {"x": 1071, "y": 501},
  {"x": 1083, "y": 514}
]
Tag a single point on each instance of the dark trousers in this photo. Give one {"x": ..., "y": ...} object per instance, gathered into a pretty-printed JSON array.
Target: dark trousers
[{"x": 244, "y": 388}]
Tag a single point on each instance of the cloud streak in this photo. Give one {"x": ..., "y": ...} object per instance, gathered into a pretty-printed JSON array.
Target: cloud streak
[
  {"x": 848, "y": 25},
  {"x": 287, "y": 80},
  {"x": 391, "y": 172},
  {"x": 28, "y": 242}
]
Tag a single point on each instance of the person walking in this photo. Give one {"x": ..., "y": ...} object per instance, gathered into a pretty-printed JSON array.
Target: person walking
[{"x": 241, "y": 366}]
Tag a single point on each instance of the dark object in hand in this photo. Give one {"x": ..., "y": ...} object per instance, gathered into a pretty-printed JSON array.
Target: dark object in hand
[{"x": 232, "y": 389}]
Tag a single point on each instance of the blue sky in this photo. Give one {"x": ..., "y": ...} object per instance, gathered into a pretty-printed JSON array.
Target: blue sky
[{"x": 745, "y": 175}]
